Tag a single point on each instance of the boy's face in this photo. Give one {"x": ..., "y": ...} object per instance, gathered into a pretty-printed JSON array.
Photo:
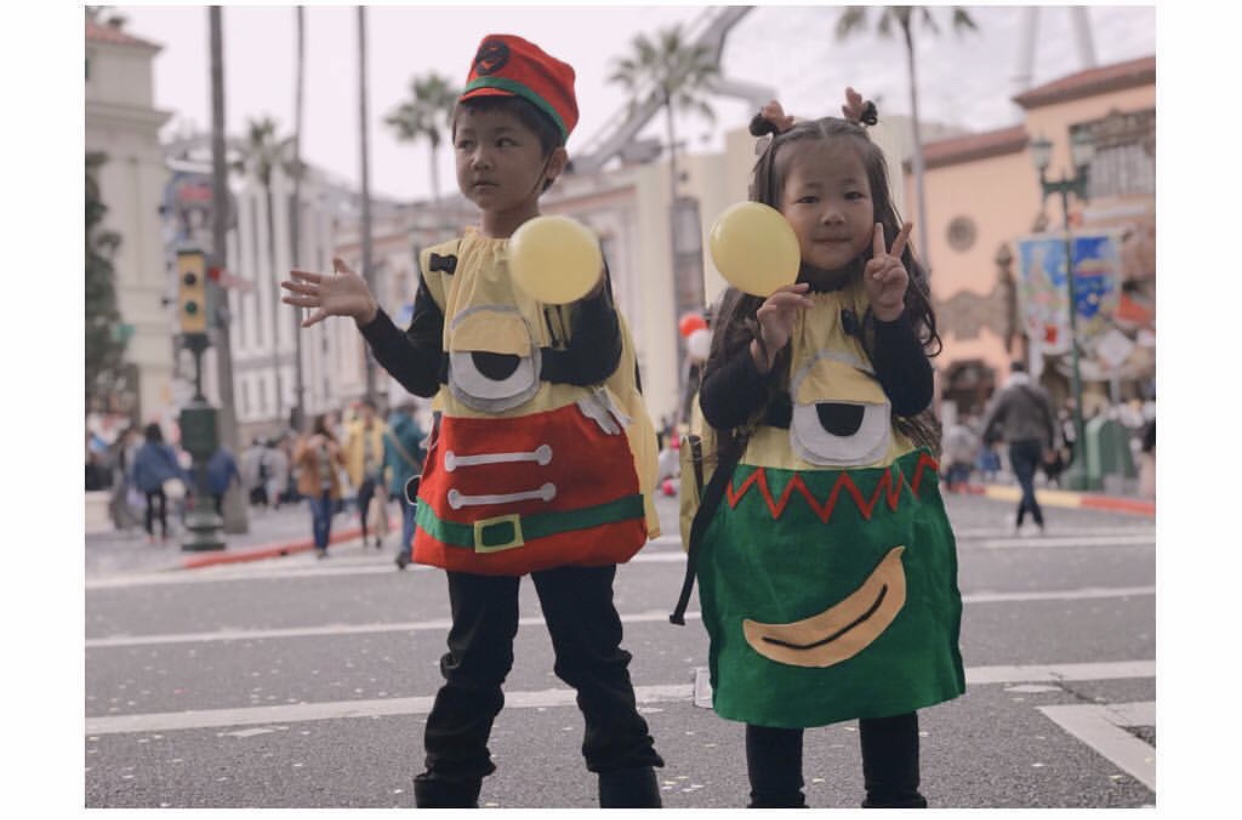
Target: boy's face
[
  {"x": 827, "y": 200},
  {"x": 500, "y": 163}
]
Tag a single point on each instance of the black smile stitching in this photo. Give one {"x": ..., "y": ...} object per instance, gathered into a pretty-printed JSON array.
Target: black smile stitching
[{"x": 870, "y": 611}]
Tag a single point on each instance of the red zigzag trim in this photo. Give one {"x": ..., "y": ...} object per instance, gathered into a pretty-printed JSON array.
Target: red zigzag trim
[{"x": 886, "y": 488}]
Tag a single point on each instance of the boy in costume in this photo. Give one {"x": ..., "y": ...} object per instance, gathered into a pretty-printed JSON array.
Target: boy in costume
[{"x": 541, "y": 460}]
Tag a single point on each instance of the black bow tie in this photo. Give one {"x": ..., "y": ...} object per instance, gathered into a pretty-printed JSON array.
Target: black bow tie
[{"x": 448, "y": 264}]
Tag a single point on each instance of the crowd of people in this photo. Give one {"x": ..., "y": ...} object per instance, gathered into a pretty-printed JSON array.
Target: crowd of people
[
  {"x": 362, "y": 463},
  {"x": 152, "y": 483}
]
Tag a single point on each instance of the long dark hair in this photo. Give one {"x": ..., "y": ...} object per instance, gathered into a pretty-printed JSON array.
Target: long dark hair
[
  {"x": 736, "y": 324},
  {"x": 320, "y": 426}
]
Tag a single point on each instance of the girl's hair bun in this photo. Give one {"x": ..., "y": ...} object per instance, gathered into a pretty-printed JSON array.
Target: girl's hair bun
[
  {"x": 761, "y": 126},
  {"x": 870, "y": 115}
]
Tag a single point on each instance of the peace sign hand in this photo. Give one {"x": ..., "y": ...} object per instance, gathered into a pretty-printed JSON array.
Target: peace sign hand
[
  {"x": 344, "y": 294},
  {"x": 884, "y": 278}
]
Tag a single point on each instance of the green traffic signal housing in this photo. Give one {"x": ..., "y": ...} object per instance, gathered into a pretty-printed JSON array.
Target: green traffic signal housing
[{"x": 192, "y": 292}]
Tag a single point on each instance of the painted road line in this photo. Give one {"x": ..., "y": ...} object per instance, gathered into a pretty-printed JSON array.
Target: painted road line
[
  {"x": 658, "y": 552},
  {"x": 1102, "y": 727},
  {"x": 1006, "y": 531},
  {"x": 1053, "y": 541},
  {"x": 421, "y": 705},
  {"x": 442, "y": 624},
  {"x": 1088, "y": 593},
  {"x": 306, "y": 566},
  {"x": 1055, "y": 673}
]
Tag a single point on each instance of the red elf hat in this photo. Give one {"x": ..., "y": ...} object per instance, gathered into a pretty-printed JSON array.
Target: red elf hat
[{"x": 508, "y": 66}]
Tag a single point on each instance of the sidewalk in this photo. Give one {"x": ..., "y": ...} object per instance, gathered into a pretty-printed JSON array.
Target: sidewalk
[
  {"x": 272, "y": 534},
  {"x": 1068, "y": 498}
]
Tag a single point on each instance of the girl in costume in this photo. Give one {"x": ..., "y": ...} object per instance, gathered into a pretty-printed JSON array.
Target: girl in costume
[
  {"x": 541, "y": 458},
  {"x": 827, "y": 569}
]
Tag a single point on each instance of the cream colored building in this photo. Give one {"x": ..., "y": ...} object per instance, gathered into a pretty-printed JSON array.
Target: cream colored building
[
  {"x": 984, "y": 196},
  {"x": 122, "y": 123}
]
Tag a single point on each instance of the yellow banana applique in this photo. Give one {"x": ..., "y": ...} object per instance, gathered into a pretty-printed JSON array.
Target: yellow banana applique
[{"x": 841, "y": 631}]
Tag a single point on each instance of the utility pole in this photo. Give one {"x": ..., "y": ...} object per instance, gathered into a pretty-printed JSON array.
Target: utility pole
[
  {"x": 234, "y": 508},
  {"x": 368, "y": 275}
]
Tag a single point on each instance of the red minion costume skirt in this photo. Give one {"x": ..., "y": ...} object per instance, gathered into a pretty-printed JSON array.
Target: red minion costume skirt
[{"x": 511, "y": 496}]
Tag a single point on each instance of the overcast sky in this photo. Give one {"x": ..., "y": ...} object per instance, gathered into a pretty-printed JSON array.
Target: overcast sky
[{"x": 966, "y": 81}]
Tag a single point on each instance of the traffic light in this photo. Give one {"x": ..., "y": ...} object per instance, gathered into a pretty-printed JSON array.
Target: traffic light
[{"x": 191, "y": 292}]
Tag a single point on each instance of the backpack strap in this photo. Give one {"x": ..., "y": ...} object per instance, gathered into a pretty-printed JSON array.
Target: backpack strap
[
  {"x": 401, "y": 451},
  {"x": 712, "y": 494}
]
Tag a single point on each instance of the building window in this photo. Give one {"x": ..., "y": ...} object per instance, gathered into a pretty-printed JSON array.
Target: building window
[
  {"x": 962, "y": 233},
  {"x": 1125, "y": 153}
]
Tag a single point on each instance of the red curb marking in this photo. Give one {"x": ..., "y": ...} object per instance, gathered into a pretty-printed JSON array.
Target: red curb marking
[
  {"x": 268, "y": 551},
  {"x": 1119, "y": 505}
]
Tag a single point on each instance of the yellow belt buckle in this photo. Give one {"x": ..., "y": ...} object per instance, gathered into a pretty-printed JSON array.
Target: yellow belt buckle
[{"x": 489, "y": 529}]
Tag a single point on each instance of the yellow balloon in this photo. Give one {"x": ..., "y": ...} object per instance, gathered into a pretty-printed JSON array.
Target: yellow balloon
[
  {"x": 755, "y": 249},
  {"x": 555, "y": 259}
]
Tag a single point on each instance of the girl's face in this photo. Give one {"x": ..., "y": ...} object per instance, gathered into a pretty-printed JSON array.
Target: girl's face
[
  {"x": 827, "y": 200},
  {"x": 501, "y": 167}
]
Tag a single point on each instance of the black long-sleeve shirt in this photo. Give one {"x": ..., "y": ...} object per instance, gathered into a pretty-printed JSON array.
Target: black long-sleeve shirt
[
  {"x": 415, "y": 357},
  {"x": 735, "y": 390}
]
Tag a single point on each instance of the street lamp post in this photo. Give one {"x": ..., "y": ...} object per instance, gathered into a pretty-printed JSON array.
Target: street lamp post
[{"x": 1082, "y": 149}]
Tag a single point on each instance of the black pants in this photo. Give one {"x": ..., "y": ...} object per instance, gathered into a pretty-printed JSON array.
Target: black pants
[
  {"x": 157, "y": 499},
  {"x": 366, "y": 491},
  {"x": 1024, "y": 458},
  {"x": 890, "y": 758},
  {"x": 586, "y": 637}
]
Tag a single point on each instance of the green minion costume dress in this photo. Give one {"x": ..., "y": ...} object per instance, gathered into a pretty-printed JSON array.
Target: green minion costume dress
[{"x": 828, "y": 571}]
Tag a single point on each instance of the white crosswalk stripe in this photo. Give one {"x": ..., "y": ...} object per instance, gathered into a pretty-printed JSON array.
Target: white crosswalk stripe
[{"x": 421, "y": 705}]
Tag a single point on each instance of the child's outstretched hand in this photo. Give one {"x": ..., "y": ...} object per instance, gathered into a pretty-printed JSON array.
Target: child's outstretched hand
[
  {"x": 344, "y": 294},
  {"x": 885, "y": 278},
  {"x": 776, "y": 322}
]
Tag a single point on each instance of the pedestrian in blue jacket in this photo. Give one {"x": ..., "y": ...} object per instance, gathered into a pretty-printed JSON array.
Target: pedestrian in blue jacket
[
  {"x": 154, "y": 464},
  {"x": 221, "y": 472}
]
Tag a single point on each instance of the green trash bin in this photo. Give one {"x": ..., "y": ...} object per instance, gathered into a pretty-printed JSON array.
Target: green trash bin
[{"x": 1107, "y": 453}]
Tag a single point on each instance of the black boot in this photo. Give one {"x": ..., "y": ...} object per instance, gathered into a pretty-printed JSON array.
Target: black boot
[
  {"x": 445, "y": 794},
  {"x": 629, "y": 789},
  {"x": 890, "y": 754}
]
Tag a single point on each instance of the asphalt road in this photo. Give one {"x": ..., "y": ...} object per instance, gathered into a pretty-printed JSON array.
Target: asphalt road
[{"x": 300, "y": 683}]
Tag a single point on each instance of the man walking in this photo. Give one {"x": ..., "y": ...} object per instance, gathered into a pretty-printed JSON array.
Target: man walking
[{"x": 1022, "y": 416}]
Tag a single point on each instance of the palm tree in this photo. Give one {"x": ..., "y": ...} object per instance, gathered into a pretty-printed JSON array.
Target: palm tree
[
  {"x": 262, "y": 154},
  {"x": 427, "y": 113},
  {"x": 680, "y": 74},
  {"x": 295, "y": 222},
  {"x": 235, "y": 521},
  {"x": 368, "y": 274},
  {"x": 854, "y": 19}
]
